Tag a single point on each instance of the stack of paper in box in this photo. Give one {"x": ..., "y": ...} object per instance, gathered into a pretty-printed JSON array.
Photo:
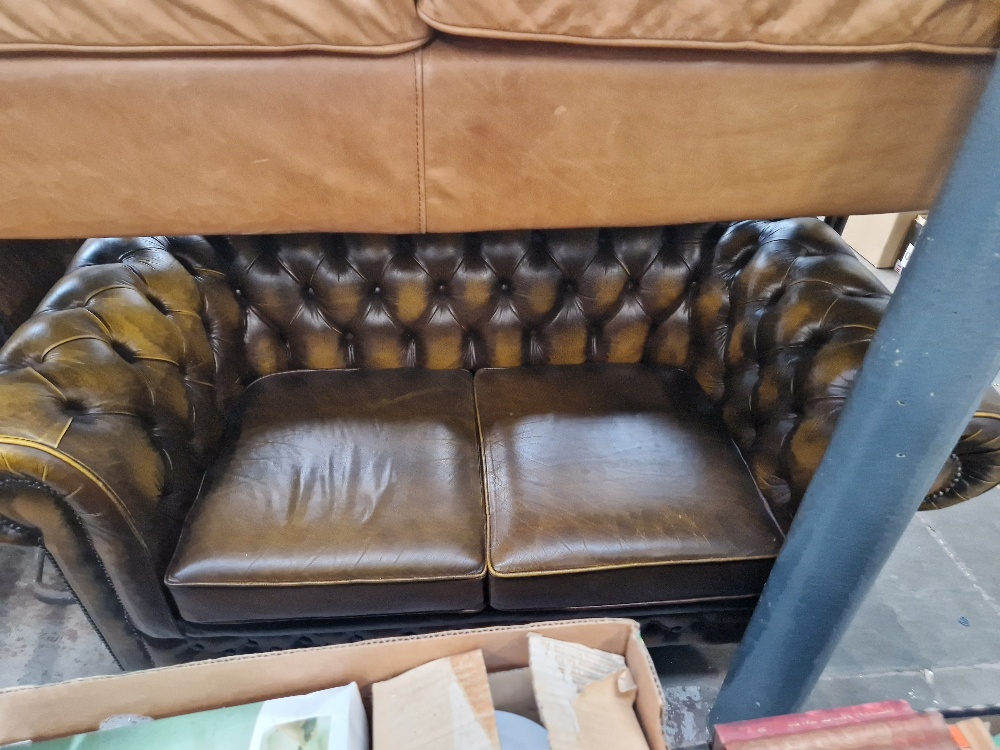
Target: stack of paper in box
[{"x": 890, "y": 725}]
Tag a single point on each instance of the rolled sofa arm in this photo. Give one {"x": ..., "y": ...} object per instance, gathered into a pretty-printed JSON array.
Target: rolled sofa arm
[
  {"x": 784, "y": 317},
  {"x": 109, "y": 408},
  {"x": 974, "y": 467}
]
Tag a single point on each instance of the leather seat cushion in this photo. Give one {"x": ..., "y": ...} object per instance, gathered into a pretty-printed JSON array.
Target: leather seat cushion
[
  {"x": 615, "y": 484},
  {"x": 356, "y": 26},
  {"x": 345, "y": 493},
  {"x": 970, "y": 26}
]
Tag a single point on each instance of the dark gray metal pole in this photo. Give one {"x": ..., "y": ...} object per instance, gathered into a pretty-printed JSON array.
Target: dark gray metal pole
[{"x": 934, "y": 353}]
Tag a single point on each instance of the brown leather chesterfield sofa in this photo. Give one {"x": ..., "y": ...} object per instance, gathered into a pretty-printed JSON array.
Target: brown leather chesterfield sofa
[
  {"x": 480, "y": 413},
  {"x": 241, "y": 443}
]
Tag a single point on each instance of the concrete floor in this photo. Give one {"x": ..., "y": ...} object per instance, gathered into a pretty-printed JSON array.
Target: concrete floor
[{"x": 929, "y": 631}]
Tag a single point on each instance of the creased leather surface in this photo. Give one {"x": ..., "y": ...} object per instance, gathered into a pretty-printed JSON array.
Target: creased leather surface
[
  {"x": 953, "y": 26},
  {"x": 473, "y": 301},
  {"x": 600, "y": 467},
  {"x": 540, "y": 135},
  {"x": 345, "y": 493},
  {"x": 356, "y": 26}
]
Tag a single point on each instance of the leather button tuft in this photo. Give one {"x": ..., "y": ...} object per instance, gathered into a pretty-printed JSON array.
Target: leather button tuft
[
  {"x": 377, "y": 290},
  {"x": 348, "y": 336},
  {"x": 309, "y": 291},
  {"x": 74, "y": 408},
  {"x": 505, "y": 287},
  {"x": 442, "y": 288}
]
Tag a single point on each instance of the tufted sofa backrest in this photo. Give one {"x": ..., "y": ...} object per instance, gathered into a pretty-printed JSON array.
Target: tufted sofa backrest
[{"x": 468, "y": 301}]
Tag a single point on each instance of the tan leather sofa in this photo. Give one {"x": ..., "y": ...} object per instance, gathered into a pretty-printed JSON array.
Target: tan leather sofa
[
  {"x": 136, "y": 117},
  {"x": 376, "y": 369}
]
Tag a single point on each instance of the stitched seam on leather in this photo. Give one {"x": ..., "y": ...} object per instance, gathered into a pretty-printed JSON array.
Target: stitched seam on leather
[
  {"x": 372, "y": 50},
  {"x": 653, "y": 603},
  {"x": 173, "y": 583},
  {"x": 625, "y": 566},
  {"x": 87, "y": 472},
  {"x": 47, "y": 382},
  {"x": 653, "y": 42},
  {"x": 418, "y": 95},
  {"x": 481, "y": 445}
]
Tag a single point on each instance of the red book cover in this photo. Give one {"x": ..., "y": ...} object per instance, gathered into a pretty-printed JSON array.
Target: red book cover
[
  {"x": 777, "y": 726},
  {"x": 919, "y": 732}
]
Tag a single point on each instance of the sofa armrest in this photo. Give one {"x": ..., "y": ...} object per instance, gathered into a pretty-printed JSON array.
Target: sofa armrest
[
  {"x": 974, "y": 467},
  {"x": 785, "y": 318},
  {"x": 109, "y": 409}
]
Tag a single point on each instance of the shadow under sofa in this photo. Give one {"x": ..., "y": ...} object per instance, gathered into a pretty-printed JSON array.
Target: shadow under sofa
[{"x": 242, "y": 443}]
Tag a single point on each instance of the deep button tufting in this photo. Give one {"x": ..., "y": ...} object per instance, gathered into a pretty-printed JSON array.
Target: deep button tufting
[
  {"x": 162, "y": 308},
  {"x": 309, "y": 292},
  {"x": 796, "y": 311},
  {"x": 124, "y": 351},
  {"x": 74, "y": 408},
  {"x": 457, "y": 297}
]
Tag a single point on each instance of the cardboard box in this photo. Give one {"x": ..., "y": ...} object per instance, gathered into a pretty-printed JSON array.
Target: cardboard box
[
  {"x": 49, "y": 711},
  {"x": 878, "y": 238}
]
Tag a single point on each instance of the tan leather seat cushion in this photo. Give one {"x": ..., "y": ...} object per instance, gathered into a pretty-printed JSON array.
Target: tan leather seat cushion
[
  {"x": 954, "y": 26},
  {"x": 358, "y": 26},
  {"x": 611, "y": 485},
  {"x": 346, "y": 493}
]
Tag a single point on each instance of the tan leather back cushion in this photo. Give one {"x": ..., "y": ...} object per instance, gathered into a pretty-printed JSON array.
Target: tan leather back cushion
[
  {"x": 472, "y": 301},
  {"x": 358, "y": 26},
  {"x": 969, "y": 26}
]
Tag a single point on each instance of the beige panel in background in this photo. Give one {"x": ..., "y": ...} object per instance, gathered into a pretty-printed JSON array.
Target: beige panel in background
[
  {"x": 878, "y": 238},
  {"x": 98, "y": 146},
  {"x": 525, "y": 135}
]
